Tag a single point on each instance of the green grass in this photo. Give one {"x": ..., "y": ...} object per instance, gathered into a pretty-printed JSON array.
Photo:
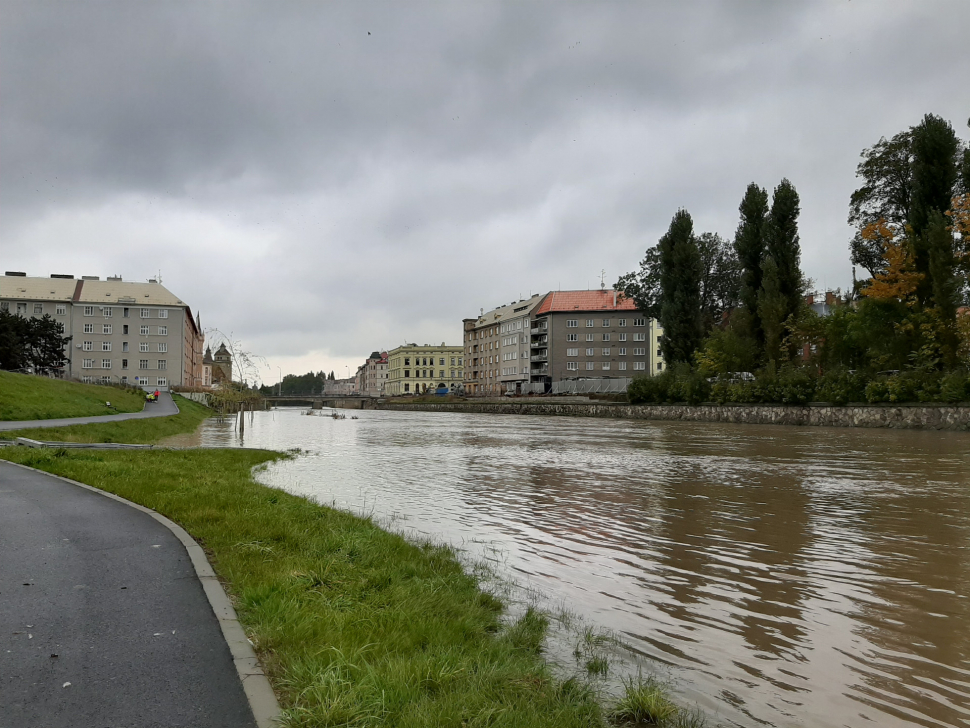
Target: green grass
[
  {"x": 149, "y": 430},
  {"x": 355, "y": 625},
  {"x": 644, "y": 702},
  {"x": 26, "y": 397}
]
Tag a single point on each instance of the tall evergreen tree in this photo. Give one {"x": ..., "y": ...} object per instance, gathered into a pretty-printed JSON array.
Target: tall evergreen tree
[
  {"x": 782, "y": 244},
  {"x": 772, "y": 309},
  {"x": 749, "y": 245},
  {"x": 680, "y": 282},
  {"x": 935, "y": 148}
]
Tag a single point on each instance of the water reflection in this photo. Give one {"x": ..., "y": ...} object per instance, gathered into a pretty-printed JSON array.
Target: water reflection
[{"x": 787, "y": 576}]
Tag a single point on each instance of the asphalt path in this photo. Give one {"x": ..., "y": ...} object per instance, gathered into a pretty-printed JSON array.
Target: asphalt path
[
  {"x": 103, "y": 621},
  {"x": 164, "y": 407}
]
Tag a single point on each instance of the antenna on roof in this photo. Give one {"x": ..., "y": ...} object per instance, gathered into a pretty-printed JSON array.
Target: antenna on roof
[{"x": 603, "y": 279}]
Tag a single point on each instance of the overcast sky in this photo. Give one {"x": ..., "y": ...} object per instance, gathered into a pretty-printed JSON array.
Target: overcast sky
[{"x": 326, "y": 179}]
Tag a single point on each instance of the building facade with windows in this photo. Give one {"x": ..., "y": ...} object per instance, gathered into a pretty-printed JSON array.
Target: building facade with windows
[
  {"x": 496, "y": 347},
  {"x": 592, "y": 339},
  {"x": 413, "y": 369},
  {"x": 372, "y": 375},
  {"x": 121, "y": 331}
]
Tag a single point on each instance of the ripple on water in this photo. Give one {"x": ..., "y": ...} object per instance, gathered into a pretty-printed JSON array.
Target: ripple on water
[{"x": 787, "y": 576}]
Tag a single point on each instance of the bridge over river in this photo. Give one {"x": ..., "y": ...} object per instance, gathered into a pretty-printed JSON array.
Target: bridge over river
[{"x": 319, "y": 401}]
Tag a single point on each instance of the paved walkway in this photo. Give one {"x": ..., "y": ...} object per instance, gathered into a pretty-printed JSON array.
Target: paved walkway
[
  {"x": 164, "y": 407},
  {"x": 104, "y": 622}
]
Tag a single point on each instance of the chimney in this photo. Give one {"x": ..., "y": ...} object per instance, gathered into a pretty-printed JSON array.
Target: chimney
[
  {"x": 90, "y": 278},
  {"x": 15, "y": 273},
  {"x": 614, "y": 298},
  {"x": 62, "y": 275}
]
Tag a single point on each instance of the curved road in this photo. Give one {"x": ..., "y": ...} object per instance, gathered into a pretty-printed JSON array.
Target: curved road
[
  {"x": 104, "y": 620},
  {"x": 164, "y": 407}
]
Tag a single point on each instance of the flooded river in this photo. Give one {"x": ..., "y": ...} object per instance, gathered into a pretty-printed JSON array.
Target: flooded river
[{"x": 781, "y": 576}]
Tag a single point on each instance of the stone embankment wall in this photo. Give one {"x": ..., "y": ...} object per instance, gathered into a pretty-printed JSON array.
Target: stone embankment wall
[{"x": 920, "y": 417}]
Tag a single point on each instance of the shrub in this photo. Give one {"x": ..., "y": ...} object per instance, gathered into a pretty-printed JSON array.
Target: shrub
[
  {"x": 790, "y": 385},
  {"x": 644, "y": 701},
  {"x": 955, "y": 386},
  {"x": 841, "y": 386}
]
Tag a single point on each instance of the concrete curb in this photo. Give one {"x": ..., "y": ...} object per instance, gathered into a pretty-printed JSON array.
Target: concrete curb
[{"x": 259, "y": 693}]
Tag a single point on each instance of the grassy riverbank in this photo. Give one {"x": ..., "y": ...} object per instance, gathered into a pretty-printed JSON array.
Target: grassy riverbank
[
  {"x": 26, "y": 397},
  {"x": 150, "y": 430}
]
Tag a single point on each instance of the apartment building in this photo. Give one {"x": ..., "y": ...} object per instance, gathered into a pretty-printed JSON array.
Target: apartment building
[
  {"x": 413, "y": 369},
  {"x": 122, "y": 331},
  {"x": 591, "y": 341},
  {"x": 497, "y": 349},
  {"x": 372, "y": 375}
]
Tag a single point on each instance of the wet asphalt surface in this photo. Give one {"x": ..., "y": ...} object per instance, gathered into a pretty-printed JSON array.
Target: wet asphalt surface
[{"x": 103, "y": 622}]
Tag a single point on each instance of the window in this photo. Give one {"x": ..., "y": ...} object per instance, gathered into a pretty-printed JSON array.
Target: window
[
  {"x": 622, "y": 337},
  {"x": 621, "y": 366},
  {"x": 143, "y": 331},
  {"x": 143, "y": 346},
  {"x": 407, "y": 361},
  {"x": 572, "y": 337},
  {"x": 163, "y": 364},
  {"x": 88, "y": 328},
  {"x": 407, "y": 374},
  {"x": 124, "y": 380},
  {"x": 145, "y": 312},
  {"x": 124, "y": 346},
  {"x": 606, "y": 366},
  {"x": 589, "y": 366},
  {"x": 572, "y": 352},
  {"x": 606, "y": 337},
  {"x": 124, "y": 312},
  {"x": 606, "y": 323},
  {"x": 639, "y": 352},
  {"x": 639, "y": 337},
  {"x": 606, "y": 351},
  {"x": 162, "y": 382},
  {"x": 639, "y": 366},
  {"x": 89, "y": 310},
  {"x": 441, "y": 374},
  {"x": 622, "y": 351},
  {"x": 106, "y": 379},
  {"x": 163, "y": 330},
  {"x": 105, "y": 363},
  {"x": 589, "y": 352},
  {"x": 162, "y": 347},
  {"x": 87, "y": 346},
  {"x": 639, "y": 322},
  {"x": 589, "y": 337},
  {"x": 143, "y": 363},
  {"x": 407, "y": 387},
  {"x": 441, "y": 362},
  {"x": 105, "y": 346},
  {"x": 660, "y": 365},
  {"x": 108, "y": 311},
  {"x": 163, "y": 313},
  {"x": 572, "y": 366},
  {"x": 452, "y": 373},
  {"x": 124, "y": 329},
  {"x": 106, "y": 328},
  {"x": 590, "y": 323},
  {"x": 88, "y": 364},
  {"x": 460, "y": 362},
  {"x": 38, "y": 308},
  {"x": 124, "y": 365},
  {"x": 621, "y": 322},
  {"x": 4, "y": 306},
  {"x": 571, "y": 323},
  {"x": 659, "y": 352},
  {"x": 452, "y": 364}
]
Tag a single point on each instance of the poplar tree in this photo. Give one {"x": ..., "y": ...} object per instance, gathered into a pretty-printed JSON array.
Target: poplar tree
[
  {"x": 680, "y": 283},
  {"x": 749, "y": 245},
  {"x": 782, "y": 244}
]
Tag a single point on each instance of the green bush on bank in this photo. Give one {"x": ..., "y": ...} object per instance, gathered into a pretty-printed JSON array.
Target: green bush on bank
[{"x": 798, "y": 385}]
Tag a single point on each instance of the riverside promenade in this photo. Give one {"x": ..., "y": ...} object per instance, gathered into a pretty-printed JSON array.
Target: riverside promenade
[
  {"x": 164, "y": 407},
  {"x": 106, "y": 620}
]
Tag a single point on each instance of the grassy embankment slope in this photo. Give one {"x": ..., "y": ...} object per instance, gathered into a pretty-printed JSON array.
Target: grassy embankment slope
[
  {"x": 26, "y": 397},
  {"x": 355, "y": 626}
]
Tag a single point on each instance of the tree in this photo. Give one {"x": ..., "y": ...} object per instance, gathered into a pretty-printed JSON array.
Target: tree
[
  {"x": 246, "y": 365},
  {"x": 886, "y": 194},
  {"x": 772, "y": 309},
  {"x": 13, "y": 341},
  {"x": 935, "y": 153},
  {"x": 643, "y": 286},
  {"x": 680, "y": 286},
  {"x": 749, "y": 247},
  {"x": 899, "y": 279},
  {"x": 720, "y": 279},
  {"x": 46, "y": 344},
  {"x": 783, "y": 247}
]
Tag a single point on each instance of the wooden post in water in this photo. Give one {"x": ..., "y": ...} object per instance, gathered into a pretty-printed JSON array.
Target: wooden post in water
[{"x": 242, "y": 417}]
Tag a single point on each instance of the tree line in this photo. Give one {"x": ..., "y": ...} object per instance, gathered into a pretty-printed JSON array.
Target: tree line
[
  {"x": 736, "y": 322},
  {"x": 32, "y": 344},
  {"x": 299, "y": 384}
]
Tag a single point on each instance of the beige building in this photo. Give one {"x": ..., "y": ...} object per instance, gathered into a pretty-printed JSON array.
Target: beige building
[
  {"x": 497, "y": 349},
  {"x": 413, "y": 369},
  {"x": 372, "y": 375},
  {"x": 122, "y": 332}
]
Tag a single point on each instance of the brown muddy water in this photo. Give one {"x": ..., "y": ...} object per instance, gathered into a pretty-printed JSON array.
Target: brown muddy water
[{"x": 779, "y": 576}]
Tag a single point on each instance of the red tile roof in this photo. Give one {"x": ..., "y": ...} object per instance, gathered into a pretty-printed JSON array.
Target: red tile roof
[{"x": 585, "y": 301}]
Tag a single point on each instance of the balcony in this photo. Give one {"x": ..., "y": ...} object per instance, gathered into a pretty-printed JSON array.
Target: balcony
[
  {"x": 544, "y": 356},
  {"x": 540, "y": 341},
  {"x": 543, "y": 369},
  {"x": 539, "y": 329}
]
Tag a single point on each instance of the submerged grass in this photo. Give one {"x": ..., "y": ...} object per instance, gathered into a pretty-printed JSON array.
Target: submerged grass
[
  {"x": 149, "y": 430},
  {"x": 355, "y": 626},
  {"x": 645, "y": 701},
  {"x": 28, "y": 397}
]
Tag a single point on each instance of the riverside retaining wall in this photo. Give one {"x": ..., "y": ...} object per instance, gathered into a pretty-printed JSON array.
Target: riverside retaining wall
[{"x": 917, "y": 417}]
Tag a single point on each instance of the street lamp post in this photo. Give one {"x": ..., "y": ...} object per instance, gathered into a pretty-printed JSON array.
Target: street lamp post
[{"x": 280, "y": 369}]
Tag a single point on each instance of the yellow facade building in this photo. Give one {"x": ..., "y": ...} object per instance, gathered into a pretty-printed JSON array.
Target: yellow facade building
[{"x": 414, "y": 369}]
